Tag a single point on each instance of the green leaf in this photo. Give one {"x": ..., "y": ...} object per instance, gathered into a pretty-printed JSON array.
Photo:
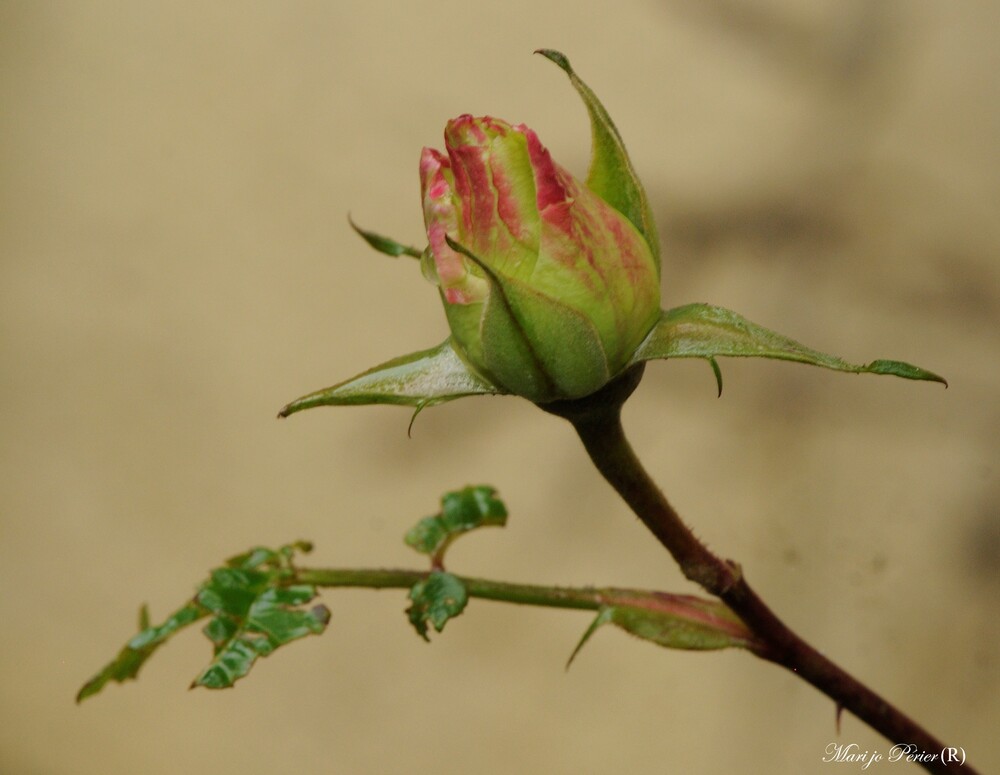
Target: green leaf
[
  {"x": 672, "y": 621},
  {"x": 472, "y": 507},
  {"x": 461, "y": 511},
  {"x": 252, "y": 612},
  {"x": 383, "y": 244},
  {"x": 427, "y": 535},
  {"x": 435, "y": 600},
  {"x": 252, "y": 618},
  {"x": 133, "y": 656},
  {"x": 421, "y": 379},
  {"x": 611, "y": 175},
  {"x": 704, "y": 331}
]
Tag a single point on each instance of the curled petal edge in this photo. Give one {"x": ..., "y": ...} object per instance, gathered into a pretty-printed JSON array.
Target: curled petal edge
[
  {"x": 705, "y": 331},
  {"x": 420, "y": 379}
]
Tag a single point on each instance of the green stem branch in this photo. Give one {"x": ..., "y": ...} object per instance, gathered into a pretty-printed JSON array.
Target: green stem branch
[
  {"x": 597, "y": 420},
  {"x": 581, "y": 598},
  {"x": 523, "y": 594}
]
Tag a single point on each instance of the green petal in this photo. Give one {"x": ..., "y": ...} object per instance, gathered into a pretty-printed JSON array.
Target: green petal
[
  {"x": 611, "y": 174},
  {"x": 704, "y": 331},
  {"x": 420, "y": 379}
]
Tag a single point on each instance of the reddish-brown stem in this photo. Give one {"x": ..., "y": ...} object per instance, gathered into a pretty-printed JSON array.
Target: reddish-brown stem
[{"x": 597, "y": 420}]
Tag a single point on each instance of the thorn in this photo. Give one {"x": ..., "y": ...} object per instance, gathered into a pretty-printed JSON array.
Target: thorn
[
  {"x": 840, "y": 712},
  {"x": 718, "y": 374},
  {"x": 603, "y": 616},
  {"x": 413, "y": 419}
]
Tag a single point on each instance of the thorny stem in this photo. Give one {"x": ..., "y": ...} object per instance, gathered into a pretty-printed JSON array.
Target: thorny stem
[{"x": 597, "y": 420}]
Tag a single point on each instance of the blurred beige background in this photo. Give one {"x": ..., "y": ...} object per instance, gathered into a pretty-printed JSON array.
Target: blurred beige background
[{"x": 176, "y": 264}]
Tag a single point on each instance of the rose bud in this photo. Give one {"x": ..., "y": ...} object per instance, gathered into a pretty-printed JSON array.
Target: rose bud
[{"x": 548, "y": 289}]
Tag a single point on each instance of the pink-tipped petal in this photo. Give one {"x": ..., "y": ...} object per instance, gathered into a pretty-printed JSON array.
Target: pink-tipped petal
[
  {"x": 440, "y": 220},
  {"x": 549, "y": 187}
]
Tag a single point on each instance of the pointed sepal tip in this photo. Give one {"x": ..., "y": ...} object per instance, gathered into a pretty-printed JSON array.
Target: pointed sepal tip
[{"x": 420, "y": 379}]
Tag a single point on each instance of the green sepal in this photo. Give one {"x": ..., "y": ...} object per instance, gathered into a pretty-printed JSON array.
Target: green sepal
[
  {"x": 704, "y": 331},
  {"x": 573, "y": 371},
  {"x": 505, "y": 347},
  {"x": 461, "y": 511},
  {"x": 435, "y": 600},
  {"x": 672, "y": 621},
  {"x": 420, "y": 379},
  {"x": 384, "y": 244},
  {"x": 611, "y": 176},
  {"x": 524, "y": 334}
]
